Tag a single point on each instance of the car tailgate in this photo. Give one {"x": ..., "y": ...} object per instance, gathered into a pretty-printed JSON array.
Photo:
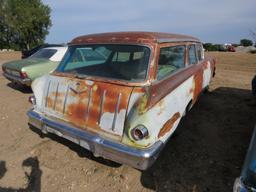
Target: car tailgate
[{"x": 97, "y": 106}]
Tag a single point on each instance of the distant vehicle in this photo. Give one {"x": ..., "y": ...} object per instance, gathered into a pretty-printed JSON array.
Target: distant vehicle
[
  {"x": 247, "y": 181},
  {"x": 26, "y": 70},
  {"x": 27, "y": 53},
  {"x": 231, "y": 48},
  {"x": 122, "y": 95}
]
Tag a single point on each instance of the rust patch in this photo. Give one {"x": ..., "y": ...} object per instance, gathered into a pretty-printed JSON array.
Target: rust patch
[
  {"x": 161, "y": 88},
  {"x": 94, "y": 109},
  {"x": 165, "y": 86},
  {"x": 142, "y": 104},
  {"x": 58, "y": 106},
  {"x": 85, "y": 109},
  {"x": 198, "y": 81},
  {"x": 205, "y": 65},
  {"x": 130, "y": 37},
  {"x": 139, "y": 90},
  {"x": 191, "y": 90},
  {"x": 76, "y": 114},
  {"x": 49, "y": 102},
  {"x": 168, "y": 125}
]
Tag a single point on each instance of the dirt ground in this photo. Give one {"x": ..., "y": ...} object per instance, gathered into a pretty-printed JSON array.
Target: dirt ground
[{"x": 206, "y": 155}]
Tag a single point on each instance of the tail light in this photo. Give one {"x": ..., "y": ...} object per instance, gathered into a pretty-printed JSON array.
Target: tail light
[
  {"x": 32, "y": 100},
  {"x": 23, "y": 75},
  {"x": 139, "y": 132}
]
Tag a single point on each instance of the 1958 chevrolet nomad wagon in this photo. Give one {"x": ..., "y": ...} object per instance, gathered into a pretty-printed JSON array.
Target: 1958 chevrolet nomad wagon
[{"x": 122, "y": 95}]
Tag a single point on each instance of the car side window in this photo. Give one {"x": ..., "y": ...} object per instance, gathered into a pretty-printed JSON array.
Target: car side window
[
  {"x": 192, "y": 54},
  {"x": 170, "y": 60},
  {"x": 199, "y": 51}
]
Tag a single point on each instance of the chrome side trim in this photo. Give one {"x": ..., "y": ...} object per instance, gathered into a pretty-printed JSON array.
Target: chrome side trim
[
  {"x": 102, "y": 101},
  {"x": 174, "y": 40},
  {"x": 47, "y": 93},
  {"x": 65, "y": 100},
  {"x": 88, "y": 105},
  {"x": 116, "y": 111},
  {"x": 56, "y": 96},
  {"x": 99, "y": 146}
]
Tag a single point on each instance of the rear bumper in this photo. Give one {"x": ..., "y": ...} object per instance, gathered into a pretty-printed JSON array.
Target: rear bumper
[
  {"x": 137, "y": 158},
  {"x": 19, "y": 80}
]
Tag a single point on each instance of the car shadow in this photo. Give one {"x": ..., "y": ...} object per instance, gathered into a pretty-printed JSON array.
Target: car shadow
[
  {"x": 81, "y": 152},
  {"x": 208, "y": 152},
  {"x": 21, "y": 88},
  {"x": 33, "y": 177}
]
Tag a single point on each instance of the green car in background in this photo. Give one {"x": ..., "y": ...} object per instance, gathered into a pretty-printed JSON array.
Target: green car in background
[{"x": 26, "y": 70}]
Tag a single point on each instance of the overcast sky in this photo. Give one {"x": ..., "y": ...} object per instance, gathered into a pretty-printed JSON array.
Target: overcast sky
[{"x": 216, "y": 21}]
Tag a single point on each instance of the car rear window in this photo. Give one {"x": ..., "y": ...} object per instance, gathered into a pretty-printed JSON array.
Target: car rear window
[
  {"x": 123, "y": 62},
  {"x": 44, "y": 53}
]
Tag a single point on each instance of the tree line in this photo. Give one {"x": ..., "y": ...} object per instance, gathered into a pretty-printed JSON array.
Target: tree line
[
  {"x": 220, "y": 47},
  {"x": 23, "y": 23}
]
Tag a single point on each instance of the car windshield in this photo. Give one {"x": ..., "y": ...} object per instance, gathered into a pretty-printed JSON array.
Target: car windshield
[
  {"x": 44, "y": 53},
  {"x": 123, "y": 62}
]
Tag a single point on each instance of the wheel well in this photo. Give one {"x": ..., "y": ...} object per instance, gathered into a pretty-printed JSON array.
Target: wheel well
[{"x": 189, "y": 106}]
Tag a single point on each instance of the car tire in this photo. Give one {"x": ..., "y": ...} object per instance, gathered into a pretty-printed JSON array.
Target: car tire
[{"x": 254, "y": 86}]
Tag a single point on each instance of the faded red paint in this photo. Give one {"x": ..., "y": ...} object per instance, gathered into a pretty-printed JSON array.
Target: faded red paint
[
  {"x": 131, "y": 37},
  {"x": 59, "y": 102},
  {"x": 161, "y": 88},
  {"x": 94, "y": 110},
  {"x": 198, "y": 83},
  {"x": 140, "y": 89},
  {"x": 191, "y": 90},
  {"x": 82, "y": 115},
  {"x": 49, "y": 102},
  {"x": 76, "y": 114},
  {"x": 205, "y": 65},
  {"x": 168, "y": 125}
]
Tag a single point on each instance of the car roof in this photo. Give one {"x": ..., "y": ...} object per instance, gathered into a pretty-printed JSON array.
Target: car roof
[
  {"x": 132, "y": 37},
  {"x": 59, "y": 54},
  {"x": 58, "y": 48}
]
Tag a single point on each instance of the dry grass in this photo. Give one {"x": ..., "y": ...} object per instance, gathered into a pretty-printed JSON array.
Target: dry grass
[
  {"x": 234, "y": 69},
  {"x": 9, "y": 55}
]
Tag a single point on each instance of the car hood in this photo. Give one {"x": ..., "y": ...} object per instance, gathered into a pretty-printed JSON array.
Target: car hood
[{"x": 19, "y": 64}]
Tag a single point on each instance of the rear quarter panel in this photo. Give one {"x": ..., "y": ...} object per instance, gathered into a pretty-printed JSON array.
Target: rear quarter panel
[
  {"x": 161, "y": 106},
  {"x": 35, "y": 71}
]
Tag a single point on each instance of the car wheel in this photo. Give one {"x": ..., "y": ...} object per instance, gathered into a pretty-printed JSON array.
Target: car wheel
[{"x": 254, "y": 86}]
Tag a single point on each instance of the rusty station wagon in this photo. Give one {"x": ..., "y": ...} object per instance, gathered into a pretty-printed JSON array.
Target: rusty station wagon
[{"x": 121, "y": 95}]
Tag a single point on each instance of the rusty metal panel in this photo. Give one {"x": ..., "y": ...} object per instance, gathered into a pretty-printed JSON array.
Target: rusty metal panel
[
  {"x": 87, "y": 104},
  {"x": 159, "y": 107},
  {"x": 133, "y": 37}
]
